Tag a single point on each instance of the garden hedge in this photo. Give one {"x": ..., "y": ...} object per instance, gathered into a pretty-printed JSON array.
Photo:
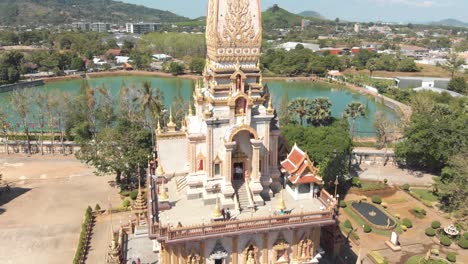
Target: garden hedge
[
  {"x": 445, "y": 241},
  {"x": 342, "y": 204},
  {"x": 465, "y": 235},
  {"x": 451, "y": 257},
  {"x": 405, "y": 187},
  {"x": 348, "y": 224},
  {"x": 367, "y": 228},
  {"x": 430, "y": 232},
  {"x": 406, "y": 222},
  {"x": 435, "y": 224},
  {"x": 376, "y": 199},
  {"x": 463, "y": 243}
]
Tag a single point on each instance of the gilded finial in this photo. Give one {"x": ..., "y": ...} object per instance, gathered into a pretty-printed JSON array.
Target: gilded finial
[
  {"x": 217, "y": 211},
  {"x": 171, "y": 125},
  {"x": 163, "y": 195},
  {"x": 250, "y": 91},
  {"x": 260, "y": 81},
  {"x": 281, "y": 204},
  {"x": 190, "y": 112},
  {"x": 184, "y": 127},
  {"x": 270, "y": 109},
  {"x": 159, "y": 169},
  {"x": 159, "y": 130},
  {"x": 238, "y": 65}
]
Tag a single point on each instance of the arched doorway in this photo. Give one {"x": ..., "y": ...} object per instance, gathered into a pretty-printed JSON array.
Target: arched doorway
[{"x": 242, "y": 155}]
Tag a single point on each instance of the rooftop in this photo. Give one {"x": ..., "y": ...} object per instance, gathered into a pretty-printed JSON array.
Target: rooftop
[
  {"x": 424, "y": 79},
  {"x": 194, "y": 212}
]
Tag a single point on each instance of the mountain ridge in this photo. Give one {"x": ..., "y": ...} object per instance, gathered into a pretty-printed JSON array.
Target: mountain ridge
[
  {"x": 312, "y": 14},
  {"x": 34, "y": 12},
  {"x": 450, "y": 22}
]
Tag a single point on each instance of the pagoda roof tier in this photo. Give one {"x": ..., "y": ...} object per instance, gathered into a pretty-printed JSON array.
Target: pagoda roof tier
[{"x": 300, "y": 168}]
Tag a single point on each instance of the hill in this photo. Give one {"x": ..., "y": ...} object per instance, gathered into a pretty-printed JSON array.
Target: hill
[
  {"x": 450, "y": 22},
  {"x": 277, "y": 17},
  {"x": 311, "y": 14},
  {"x": 37, "y": 12}
]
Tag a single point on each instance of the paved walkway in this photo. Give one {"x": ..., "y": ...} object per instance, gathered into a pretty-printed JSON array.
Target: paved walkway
[
  {"x": 40, "y": 220},
  {"x": 394, "y": 175}
]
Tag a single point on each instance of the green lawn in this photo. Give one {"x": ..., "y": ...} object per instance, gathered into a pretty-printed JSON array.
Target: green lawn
[
  {"x": 416, "y": 259},
  {"x": 425, "y": 195},
  {"x": 372, "y": 186}
]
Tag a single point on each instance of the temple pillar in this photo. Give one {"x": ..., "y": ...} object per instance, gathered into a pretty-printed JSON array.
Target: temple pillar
[
  {"x": 192, "y": 156},
  {"x": 256, "y": 145},
  {"x": 209, "y": 150},
  {"x": 173, "y": 255},
  {"x": 315, "y": 239},
  {"x": 274, "y": 171},
  {"x": 227, "y": 189},
  {"x": 265, "y": 249},
  {"x": 228, "y": 161},
  {"x": 294, "y": 245},
  {"x": 202, "y": 252},
  {"x": 235, "y": 249}
]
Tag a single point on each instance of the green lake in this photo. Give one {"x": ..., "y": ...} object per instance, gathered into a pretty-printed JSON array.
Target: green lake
[{"x": 340, "y": 97}]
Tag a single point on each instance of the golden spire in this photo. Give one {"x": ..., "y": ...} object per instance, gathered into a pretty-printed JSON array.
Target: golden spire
[
  {"x": 217, "y": 211},
  {"x": 159, "y": 169},
  {"x": 163, "y": 195},
  {"x": 171, "y": 126},
  {"x": 270, "y": 109},
  {"x": 238, "y": 65},
  {"x": 260, "y": 81},
  {"x": 159, "y": 130},
  {"x": 184, "y": 128},
  {"x": 281, "y": 204},
  {"x": 190, "y": 113},
  {"x": 250, "y": 91}
]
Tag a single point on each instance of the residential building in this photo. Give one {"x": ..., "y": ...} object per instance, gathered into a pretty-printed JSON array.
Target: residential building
[
  {"x": 142, "y": 28},
  {"x": 357, "y": 28}
]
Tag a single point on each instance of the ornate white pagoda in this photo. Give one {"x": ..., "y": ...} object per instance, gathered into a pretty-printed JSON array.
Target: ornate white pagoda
[{"x": 230, "y": 144}]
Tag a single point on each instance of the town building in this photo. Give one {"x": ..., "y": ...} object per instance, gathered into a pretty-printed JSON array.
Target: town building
[
  {"x": 216, "y": 193},
  {"x": 82, "y": 26},
  {"x": 142, "y": 28},
  {"x": 292, "y": 45},
  {"x": 357, "y": 28},
  {"x": 416, "y": 82},
  {"x": 100, "y": 27}
]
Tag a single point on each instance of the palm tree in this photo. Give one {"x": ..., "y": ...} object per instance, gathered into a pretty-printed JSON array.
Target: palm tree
[
  {"x": 301, "y": 108},
  {"x": 354, "y": 110},
  {"x": 321, "y": 110},
  {"x": 151, "y": 105},
  {"x": 371, "y": 66}
]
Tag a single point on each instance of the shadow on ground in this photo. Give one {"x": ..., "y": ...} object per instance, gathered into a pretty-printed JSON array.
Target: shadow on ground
[{"x": 15, "y": 192}]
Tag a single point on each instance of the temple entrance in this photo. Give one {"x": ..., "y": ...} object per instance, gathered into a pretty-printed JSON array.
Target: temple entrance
[
  {"x": 218, "y": 261},
  {"x": 238, "y": 171}
]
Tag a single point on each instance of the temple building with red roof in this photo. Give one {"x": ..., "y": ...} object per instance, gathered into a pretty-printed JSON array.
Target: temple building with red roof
[{"x": 302, "y": 179}]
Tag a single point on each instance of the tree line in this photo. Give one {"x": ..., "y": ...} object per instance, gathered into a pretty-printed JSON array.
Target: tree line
[
  {"x": 301, "y": 61},
  {"x": 116, "y": 133}
]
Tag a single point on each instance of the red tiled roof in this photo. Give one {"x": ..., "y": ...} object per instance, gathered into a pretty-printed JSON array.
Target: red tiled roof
[
  {"x": 300, "y": 168},
  {"x": 308, "y": 178}
]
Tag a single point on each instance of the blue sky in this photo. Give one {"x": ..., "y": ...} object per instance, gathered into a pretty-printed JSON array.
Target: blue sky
[{"x": 352, "y": 10}]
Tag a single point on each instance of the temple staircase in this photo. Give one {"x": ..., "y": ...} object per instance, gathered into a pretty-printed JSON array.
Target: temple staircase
[
  {"x": 181, "y": 184},
  {"x": 242, "y": 195}
]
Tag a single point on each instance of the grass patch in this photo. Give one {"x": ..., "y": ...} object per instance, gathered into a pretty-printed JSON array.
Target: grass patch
[
  {"x": 420, "y": 260},
  {"x": 396, "y": 201},
  {"x": 425, "y": 195},
  {"x": 372, "y": 186},
  {"x": 361, "y": 221}
]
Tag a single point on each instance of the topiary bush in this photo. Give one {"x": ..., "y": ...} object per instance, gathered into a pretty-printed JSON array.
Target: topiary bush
[
  {"x": 404, "y": 228},
  {"x": 445, "y": 241},
  {"x": 451, "y": 257},
  {"x": 133, "y": 194},
  {"x": 356, "y": 182},
  {"x": 342, "y": 204},
  {"x": 405, "y": 187},
  {"x": 367, "y": 228},
  {"x": 385, "y": 181},
  {"x": 126, "y": 203},
  {"x": 430, "y": 232},
  {"x": 97, "y": 208},
  {"x": 435, "y": 224},
  {"x": 348, "y": 224},
  {"x": 406, "y": 222},
  {"x": 376, "y": 199},
  {"x": 463, "y": 243},
  {"x": 419, "y": 212}
]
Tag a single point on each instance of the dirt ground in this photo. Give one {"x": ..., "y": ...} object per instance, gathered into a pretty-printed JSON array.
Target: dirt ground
[{"x": 40, "y": 219}]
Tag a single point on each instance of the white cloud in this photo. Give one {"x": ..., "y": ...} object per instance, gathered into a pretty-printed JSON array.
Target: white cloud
[{"x": 415, "y": 3}]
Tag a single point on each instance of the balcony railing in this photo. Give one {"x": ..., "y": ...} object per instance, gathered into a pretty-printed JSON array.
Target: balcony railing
[{"x": 168, "y": 233}]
